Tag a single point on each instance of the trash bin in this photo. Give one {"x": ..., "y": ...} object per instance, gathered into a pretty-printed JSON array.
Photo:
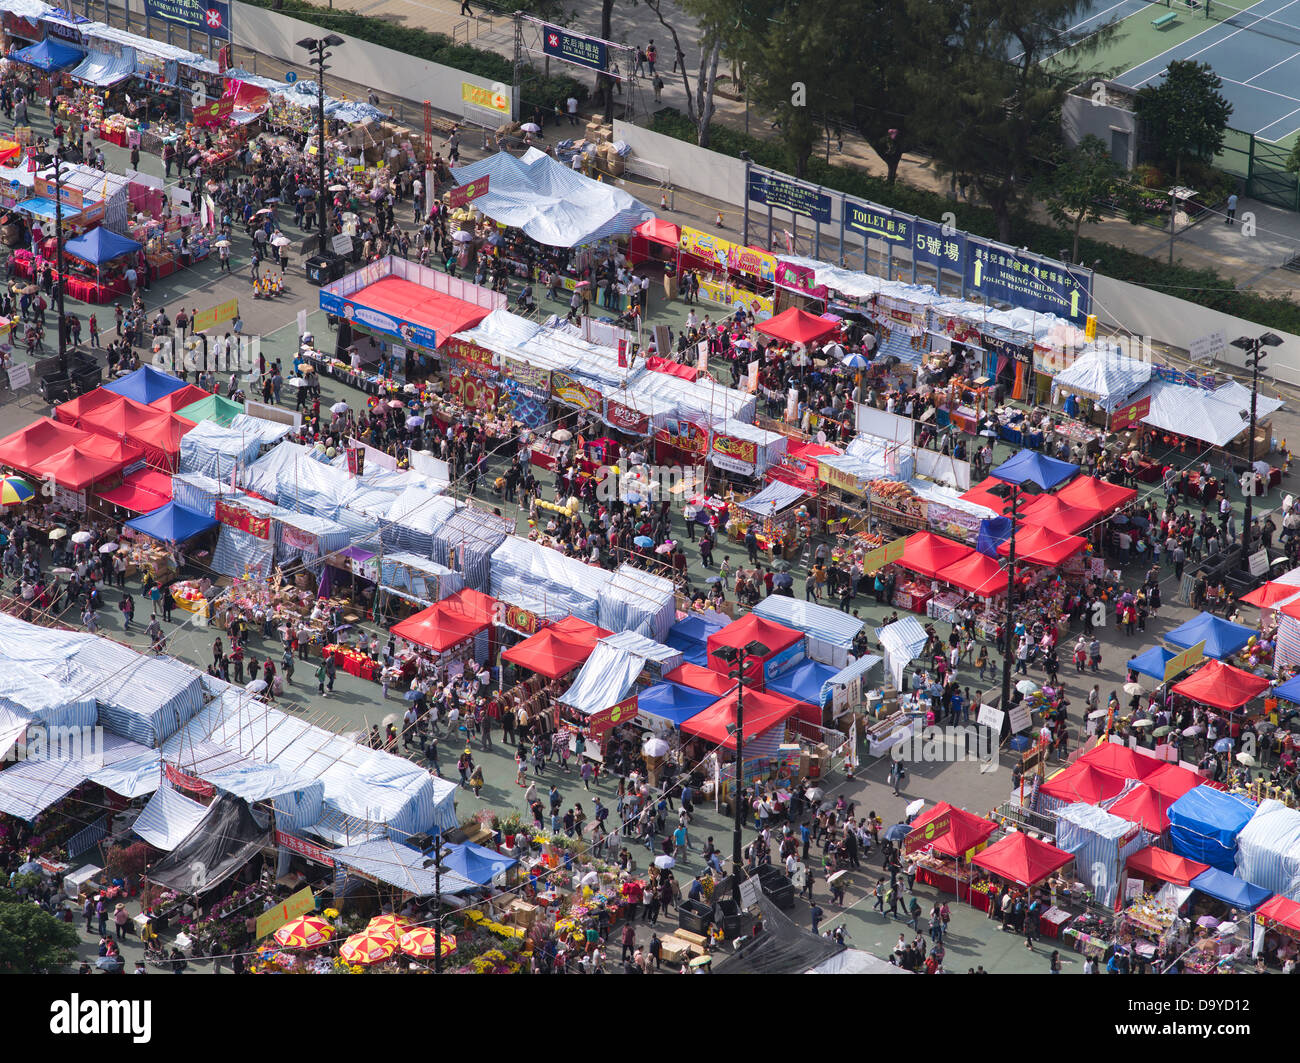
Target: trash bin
[
  {"x": 694, "y": 916},
  {"x": 727, "y": 914},
  {"x": 319, "y": 269}
]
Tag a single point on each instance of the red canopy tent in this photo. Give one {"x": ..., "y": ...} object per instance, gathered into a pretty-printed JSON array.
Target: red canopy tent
[
  {"x": 659, "y": 231},
  {"x": 1042, "y": 546},
  {"x": 38, "y": 442},
  {"x": 157, "y": 431},
  {"x": 1165, "y": 866},
  {"x": 558, "y": 648},
  {"x": 177, "y": 400},
  {"x": 408, "y": 302},
  {"x": 1121, "y": 760},
  {"x": 1282, "y": 911},
  {"x": 967, "y": 830},
  {"x": 1172, "y": 781},
  {"x": 705, "y": 679},
  {"x": 1084, "y": 782},
  {"x": 1221, "y": 686},
  {"x": 1144, "y": 806},
  {"x": 797, "y": 326},
  {"x": 118, "y": 450},
  {"x": 76, "y": 469},
  {"x": 930, "y": 554},
  {"x": 1091, "y": 493},
  {"x": 763, "y": 711},
  {"x": 1270, "y": 595},
  {"x": 751, "y": 628},
  {"x": 437, "y": 628},
  {"x": 1019, "y": 858},
  {"x": 665, "y": 365},
  {"x": 71, "y": 412},
  {"x": 981, "y": 494},
  {"x": 977, "y": 573},
  {"x": 475, "y": 605},
  {"x": 1059, "y": 516},
  {"x": 142, "y": 491}
]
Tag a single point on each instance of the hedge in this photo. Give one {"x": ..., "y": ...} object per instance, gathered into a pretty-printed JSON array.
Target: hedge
[
  {"x": 534, "y": 89},
  {"x": 1202, "y": 286}
]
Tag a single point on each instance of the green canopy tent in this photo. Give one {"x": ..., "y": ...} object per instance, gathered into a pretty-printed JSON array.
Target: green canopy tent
[{"x": 212, "y": 408}]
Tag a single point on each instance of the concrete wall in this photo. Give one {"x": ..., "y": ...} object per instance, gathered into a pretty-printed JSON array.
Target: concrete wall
[
  {"x": 1081, "y": 116},
  {"x": 1177, "y": 322},
  {"x": 687, "y": 166},
  {"x": 390, "y": 73}
]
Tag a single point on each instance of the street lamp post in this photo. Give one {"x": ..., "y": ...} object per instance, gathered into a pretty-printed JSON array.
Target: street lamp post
[
  {"x": 735, "y": 658},
  {"x": 58, "y": 254},
  {"x": 435, "y": 861},
  {"x": 1254, "y": 349},
  {"x": 317, "y": 46},
  {"x": 1012, "y": 491}
]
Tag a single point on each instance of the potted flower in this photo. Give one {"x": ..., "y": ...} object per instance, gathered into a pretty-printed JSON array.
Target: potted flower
[{"x": 511, "y": 826}]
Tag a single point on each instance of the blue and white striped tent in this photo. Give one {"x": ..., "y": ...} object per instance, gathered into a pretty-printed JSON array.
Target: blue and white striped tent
[
  {"x": 198, "y": 492},
  {"x": 636, "y": 600},
  {"x": 1097, "y": 841},
  {"x": 902, "y": 641},
  {"x": 830, "y": 631},
  {"x": 863, "y": 667},
  {"x": 211, "y": 450},
  {"x": 545, "y": 582},
  {"x": 1268, "y": 849},
  {"x": 418, "y": 576},
  {"x": 401, "y": 866},
  {"x": 413, "y": 518},
  {"x": 465, "y": 542},
  {"x": 169, "y": 818},
  {"x": 29, "y": 787},
  {"x": 775, "y": 497}
]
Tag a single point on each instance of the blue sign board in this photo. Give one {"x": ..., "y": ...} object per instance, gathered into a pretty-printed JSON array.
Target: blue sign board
[
  {"x": 207, "y": 16},
  {"x": 375, "y": 321},
  {"x": 574, "y": 48},
  {"x": 1003, "y": 274},
  {"x": 290, "y": 77},
  {"x": 789, "y": 195},
  {"x": 879, "y": 223},
  {"x": 938, "y": 246}
]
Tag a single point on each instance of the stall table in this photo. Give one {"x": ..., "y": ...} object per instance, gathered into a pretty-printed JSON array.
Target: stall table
[{"x": 352, "y": 662}]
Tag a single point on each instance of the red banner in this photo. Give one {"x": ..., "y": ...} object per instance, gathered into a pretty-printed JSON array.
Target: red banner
[
  {"x": 606, "y": 720},
  {"x": 470, "y": 351},
  {"x": 188, "y": 782},
  {"x": 303, "y": 848},
  {"x": 240, "y": 519},
  {"x": 212, "y": 113},
  {"x": 522, "y": 620},
  {"x": 1128, "y": 416},
  {"x": 693, "y": 439},
  {"x": 458, "y": 197},
  {"x": 626, "y": 419},
  {"x": 473, "y": 393},
  {"x": 741, "y": 449}
]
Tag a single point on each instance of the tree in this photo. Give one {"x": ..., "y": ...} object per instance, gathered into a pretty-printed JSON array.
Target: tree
[
  {"x": 710, "y": 16},
  {"x": 991, "y": 112},
  {"x": 31, "y": 940},
  {"x": 1084, "y": 186},
  {"x": 1185, "y": 114},
  {"x": 883, "y": 91}
]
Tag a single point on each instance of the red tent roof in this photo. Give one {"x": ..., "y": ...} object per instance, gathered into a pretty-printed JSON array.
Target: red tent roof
[
  {"x": 1091, "y": 493},
  {"x": 70, "y": 412},
  {"x": 180, "y": 398},
  {"x": 581, "y": 630},
  {"x": 142, "y": 492},
  {"x": 76, "y": 469},
  {"x": 1019, "y": 858},
  {"x": 742, "y": 632},
  {"x": 437, "y": 628},
  {"x": 1172, "y": 781},
  {"x": 1144, "y": 806},
  {"x": 1042, "y": 546},
  {"x": 1270, "y": 595},
  {"x": 119, "y": 450},
  {"x": 977, "y": 573},
  {"x": 660, "y": 231},
  {"x": 1221, "y": 686},
  {"x": 1157, "y": 863},
  {"x": 1084, "y": 782},
  {"x": 410, "y": 302},
  {"x": 764, "y": 709},
  {"x": 667, "y": 365},
  {"x": 797, "y": 326},
  {"x": 157, "y": 431},
  {"x": 982, "y": 495},
  {"x": 705, "y": 679},
  {"x": 967, "y": 831},
  {"x": 930, "y": 554},
  {"x": 475, "y": 605},
  {"x": 37, "y": 442},
  {"x": 1281, "y": 910},
  {"x": 1121, "y": 760},
  {"x": 557, "y": 649},
  {"x": 1058, "y": 516}
]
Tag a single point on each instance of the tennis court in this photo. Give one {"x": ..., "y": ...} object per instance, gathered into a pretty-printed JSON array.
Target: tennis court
[{"x": 1254, "y": 48}]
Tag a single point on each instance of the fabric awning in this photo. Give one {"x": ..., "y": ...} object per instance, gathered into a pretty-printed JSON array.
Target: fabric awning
[
  {"x": 775, "y": 497},
  {"x": 1230, "y": 889},
  {"x": 104, "y": 69},
  {"x": 48, "y": 55},
  {"x": 143, "y": 491},
  {"x": 400, "y": 866},
  {"x": 1222, "y": 637},
  {"x": 1022, "y": 859},
  {"x": 1166, "y": 866},
  {"x": 168, "y": 819},
  {"x": 1222, "y": 686}
]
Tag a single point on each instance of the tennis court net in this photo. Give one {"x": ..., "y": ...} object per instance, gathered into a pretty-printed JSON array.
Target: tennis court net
[{"x": 1244, "y": 18}]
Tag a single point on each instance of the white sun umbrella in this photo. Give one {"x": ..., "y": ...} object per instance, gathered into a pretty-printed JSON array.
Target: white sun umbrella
[
  {"x": 462, "y": 237},
  {"x": 1096, "y": 714},
  {"x": 296, "y": 382},
  {"x": 392, "y": 718},
  {"x": 833, "y": 350},
  {"x": 531, "y": 127},
  {"x": 1143, "y": 723},
  {"x": 81, "y": 537},
  {"x": 664, "y": 861},
  {"x": 1132, "y": 688},
  {"x": 280, "y": 241},
  {"x": 256, "y": 686},
  {"x": 561, "y": 435},
  {"x": 1027, "y": 686},
  {"x": 108, "y": 548},
  {"x": 655, "y": 747},
  {"x": 1246, "y": 760},
  {"x": 1195, "y": 729},
  {"x": 221, "y": 243},
  {"x": 339, "y": 407},
  {"x": 914, "y": 809}
]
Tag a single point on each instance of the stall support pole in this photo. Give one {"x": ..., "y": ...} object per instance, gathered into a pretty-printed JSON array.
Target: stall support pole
[{"x": 58, "y": 241}]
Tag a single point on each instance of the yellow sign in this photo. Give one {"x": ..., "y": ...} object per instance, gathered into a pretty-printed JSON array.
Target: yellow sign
[
  {"x": 845, "y": 481},
  {"x": 215, "y": 315},
  {"x": 705, "y": 245},
  {"x": 884, "y": 555},
  {"x": 1189, "y": 658},
  {"x": 480, "y": 97},
  {"x": 300, "y": 903}
]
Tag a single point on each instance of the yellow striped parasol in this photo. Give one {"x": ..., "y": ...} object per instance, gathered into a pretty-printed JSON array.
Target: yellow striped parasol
[
  {"x": 368, "y": 947},
  {"x": 422, "y": 942},
  {"x": 382, "y": 925},
  {"x": 305, "y": 932}
]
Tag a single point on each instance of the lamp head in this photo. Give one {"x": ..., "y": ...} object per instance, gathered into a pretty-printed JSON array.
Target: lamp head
[
  {"x": 332, "y": 40},
  {"x": 727, "y": 653},
  {"x": 756, "y": 649},
  {"x": 308, "y": 42}
]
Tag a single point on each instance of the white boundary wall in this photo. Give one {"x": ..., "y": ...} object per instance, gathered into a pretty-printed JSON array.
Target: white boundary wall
[{"x": 688, "y": 166}]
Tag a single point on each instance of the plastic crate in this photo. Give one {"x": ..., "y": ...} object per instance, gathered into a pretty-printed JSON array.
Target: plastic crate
[{"x": 694, "y": 916}]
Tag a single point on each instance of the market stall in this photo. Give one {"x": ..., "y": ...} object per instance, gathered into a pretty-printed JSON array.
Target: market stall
[
  {"x": 1222, "y": 686},
  {"x": 1102, "y": 842},
  {"x": 1022, "y": 860},
  {"x": 557, "y": 649},
  {"x": 1222, "y": 638},
  {"x": 142, "y": 491},
  {"x": 1205, "y": 823},
  {"x": 784, "y": 647},
  {"x": 943, "y": 861}
]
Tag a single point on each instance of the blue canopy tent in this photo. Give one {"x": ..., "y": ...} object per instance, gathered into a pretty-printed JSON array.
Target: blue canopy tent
[
  {"x": 475, "y": 862},
  {"x": 1204, "y": 824},
  {"x": 1222, "y": 637},
  {"x": 1289, "y": 691},
  {"x": 146, "y": 385},
  {"x": 1230, "y": 889},
  {"x": 673, "y": 702},
  {"x": 172, "y": 523},
  {"x": 805, "y": 682},
  {"x": 50, "y": 54},
  {"x": 1030, "y": 467},
  {"x": 100, "y": 246},
  {"x": 691, "y": 636},
  {"x": 1152, "y": 662}
]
